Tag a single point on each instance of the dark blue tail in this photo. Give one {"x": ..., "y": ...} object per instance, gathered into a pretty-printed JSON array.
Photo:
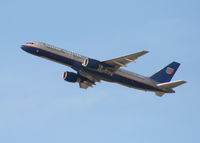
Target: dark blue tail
[{"x": 166, "y": 74}]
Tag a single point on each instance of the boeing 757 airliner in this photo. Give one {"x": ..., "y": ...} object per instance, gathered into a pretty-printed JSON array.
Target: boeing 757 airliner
[{"x": 89, "y": 71}]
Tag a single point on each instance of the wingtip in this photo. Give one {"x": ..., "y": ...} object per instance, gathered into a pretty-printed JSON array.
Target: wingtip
[
  {"x": 145, "y": 51},
  {"x": 182, "y": 81}
]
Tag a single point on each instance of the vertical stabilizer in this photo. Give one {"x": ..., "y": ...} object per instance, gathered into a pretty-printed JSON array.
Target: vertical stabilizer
[{"x": 166, "y": 74}]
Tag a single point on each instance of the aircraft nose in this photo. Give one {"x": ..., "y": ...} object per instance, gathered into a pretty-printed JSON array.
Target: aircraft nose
[
  {"x": 23, "y": 47},
  {"x": 29, "y": 49}
]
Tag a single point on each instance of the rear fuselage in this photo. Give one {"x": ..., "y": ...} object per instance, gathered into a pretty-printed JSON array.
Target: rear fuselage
[{"x": 75, "y": 61}]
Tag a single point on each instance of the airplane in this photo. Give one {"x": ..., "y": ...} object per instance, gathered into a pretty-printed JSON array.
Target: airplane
[{"x": 89, "y": 70}]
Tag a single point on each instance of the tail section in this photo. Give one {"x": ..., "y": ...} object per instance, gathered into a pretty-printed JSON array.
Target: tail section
[{"x": 165, "y": 74}]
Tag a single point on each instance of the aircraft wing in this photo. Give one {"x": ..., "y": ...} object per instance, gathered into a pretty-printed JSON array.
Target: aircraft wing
[
  {"x": 88, "y": 80},
  {"x": 124, "y": 60},
  {"x": 85, "y": 84}
]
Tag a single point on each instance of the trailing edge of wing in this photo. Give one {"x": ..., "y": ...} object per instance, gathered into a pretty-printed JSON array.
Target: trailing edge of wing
[
  {"x": 85, "y": 84},
  {"x": 88, "y": 80},
  {"x": 124, "y": 60}
]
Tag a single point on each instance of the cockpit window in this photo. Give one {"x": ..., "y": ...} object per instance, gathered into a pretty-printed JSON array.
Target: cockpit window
[{"x": 30, "y": 43}]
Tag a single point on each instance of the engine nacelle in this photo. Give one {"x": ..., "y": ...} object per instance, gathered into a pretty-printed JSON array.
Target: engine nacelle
[
  {"x": 91, "y": 63},
  {"x": 70, "y": 76}
]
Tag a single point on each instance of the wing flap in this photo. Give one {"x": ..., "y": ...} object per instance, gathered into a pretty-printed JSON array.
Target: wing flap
[
  {"x": 159, "y": 93},
  {"x": 87, "y": 80},
  {"x": 85, "y": 84}
]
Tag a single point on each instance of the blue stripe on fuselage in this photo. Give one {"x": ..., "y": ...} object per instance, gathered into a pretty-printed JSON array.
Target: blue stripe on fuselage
[{"x": 77, "y": 65}]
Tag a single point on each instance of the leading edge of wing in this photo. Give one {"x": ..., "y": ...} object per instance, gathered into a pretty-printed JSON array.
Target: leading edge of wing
[{"x": 124, "y": 60}]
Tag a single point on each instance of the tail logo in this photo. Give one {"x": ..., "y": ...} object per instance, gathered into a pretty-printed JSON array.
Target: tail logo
[{"x": 169, "y": 70}]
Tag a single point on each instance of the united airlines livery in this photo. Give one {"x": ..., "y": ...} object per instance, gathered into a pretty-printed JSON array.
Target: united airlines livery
[{"x": 89, "y": 71}]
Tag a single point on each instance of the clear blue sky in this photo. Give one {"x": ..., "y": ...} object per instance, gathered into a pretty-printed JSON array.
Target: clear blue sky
[{"x": 36, "y": 105}]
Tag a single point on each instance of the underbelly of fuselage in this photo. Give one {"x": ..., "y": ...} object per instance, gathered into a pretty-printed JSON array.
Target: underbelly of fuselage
[{"x": 116, "y": 78}]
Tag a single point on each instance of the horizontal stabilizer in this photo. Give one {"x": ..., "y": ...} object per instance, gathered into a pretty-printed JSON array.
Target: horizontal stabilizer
[
  {"x": 169, "y": 85},
  {"x": 173, "y": 84}
]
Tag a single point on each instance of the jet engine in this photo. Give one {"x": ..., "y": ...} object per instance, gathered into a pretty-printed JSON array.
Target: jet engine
[
  {"x": 91, "y": 63},
  {"x": 70, "y": 76}
]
